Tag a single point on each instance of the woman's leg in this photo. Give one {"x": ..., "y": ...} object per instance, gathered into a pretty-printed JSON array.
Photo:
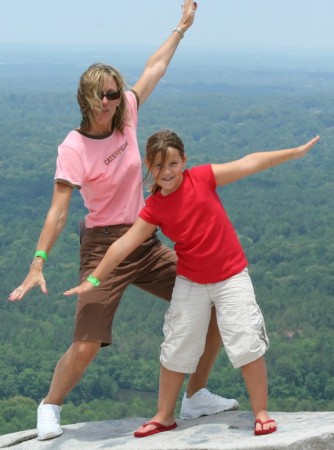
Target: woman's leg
[{"x": 69, "y": 370}]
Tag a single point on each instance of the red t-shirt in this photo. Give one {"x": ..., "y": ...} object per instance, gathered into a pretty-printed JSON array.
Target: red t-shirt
[{"x": 193, "y": 217}]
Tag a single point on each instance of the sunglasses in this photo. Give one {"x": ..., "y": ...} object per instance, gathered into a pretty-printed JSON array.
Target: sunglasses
[{"x": 111, "y": 95}]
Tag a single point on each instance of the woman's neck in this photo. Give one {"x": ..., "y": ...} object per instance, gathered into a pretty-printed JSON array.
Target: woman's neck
[{"x": 98, "y": 131}]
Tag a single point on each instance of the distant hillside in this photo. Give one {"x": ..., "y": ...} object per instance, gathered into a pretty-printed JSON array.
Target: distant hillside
[{"x": 284, "y": 218}]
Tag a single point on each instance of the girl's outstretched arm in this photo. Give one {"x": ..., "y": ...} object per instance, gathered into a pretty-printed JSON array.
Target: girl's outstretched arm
[
  {"x": 257, "y": 162},
  {"x": 119, "y": 250}
]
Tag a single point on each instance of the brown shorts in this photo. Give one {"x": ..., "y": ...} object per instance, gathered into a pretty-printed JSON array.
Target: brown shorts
[{"x": 151, "y": 267}]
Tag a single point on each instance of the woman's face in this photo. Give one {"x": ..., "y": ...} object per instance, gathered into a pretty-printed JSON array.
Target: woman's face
[{"x": 102, "y": 120}]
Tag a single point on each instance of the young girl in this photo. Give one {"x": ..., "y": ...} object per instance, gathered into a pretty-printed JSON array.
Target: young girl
[{"x": 211, "y": 270}]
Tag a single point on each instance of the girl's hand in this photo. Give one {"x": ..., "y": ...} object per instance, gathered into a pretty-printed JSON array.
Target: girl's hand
[
  {"x": 302, "y": 150},
  {"x": 85, "y": 286}
]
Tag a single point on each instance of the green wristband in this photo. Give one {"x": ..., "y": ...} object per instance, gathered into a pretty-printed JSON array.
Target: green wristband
[
  {"x": 41, "y": 254},
  {"x": 95, "y": 281}
]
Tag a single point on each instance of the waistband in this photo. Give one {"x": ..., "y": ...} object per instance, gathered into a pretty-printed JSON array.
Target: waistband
[{"x": 111, "y": 229}]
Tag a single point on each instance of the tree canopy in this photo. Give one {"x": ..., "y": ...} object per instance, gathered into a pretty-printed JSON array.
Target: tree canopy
[{"x": 284, "y": 218}]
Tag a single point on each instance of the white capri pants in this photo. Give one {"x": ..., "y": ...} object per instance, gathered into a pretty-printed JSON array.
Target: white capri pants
[{"x": 239, "y": 318}]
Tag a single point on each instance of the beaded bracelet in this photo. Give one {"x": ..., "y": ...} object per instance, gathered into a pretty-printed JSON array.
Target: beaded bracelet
[
  {"x": 95, "y": 281},
  {"x": 37, "y": 261},
  {"x": 181, "y": 33}
]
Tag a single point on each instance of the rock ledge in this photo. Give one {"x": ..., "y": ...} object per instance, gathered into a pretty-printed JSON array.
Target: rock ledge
[{"x": 225, "y": 431}]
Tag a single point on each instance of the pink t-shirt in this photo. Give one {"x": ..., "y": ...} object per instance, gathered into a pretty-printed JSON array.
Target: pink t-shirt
[
  {"x": 193, "y": 217},
  {"x": 108, "y": 172}
]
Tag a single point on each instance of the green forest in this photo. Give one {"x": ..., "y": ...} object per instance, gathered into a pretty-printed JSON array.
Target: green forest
[{"x": 224, "y": 106}]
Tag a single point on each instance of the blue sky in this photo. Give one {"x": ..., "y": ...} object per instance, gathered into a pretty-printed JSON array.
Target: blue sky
[{"x": 219, "y": 23}]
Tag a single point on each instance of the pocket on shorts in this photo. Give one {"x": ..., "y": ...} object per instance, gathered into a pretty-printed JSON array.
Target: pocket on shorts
[
  {"x": 241, "y": 320},
  {"x": 181, "y": 293}
]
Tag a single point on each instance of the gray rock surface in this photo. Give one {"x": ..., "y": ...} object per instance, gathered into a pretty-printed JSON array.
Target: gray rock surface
[{"x": 225, "y": 431}]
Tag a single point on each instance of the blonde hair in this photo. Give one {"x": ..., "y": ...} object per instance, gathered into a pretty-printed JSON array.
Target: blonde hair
[
  {"x": 159, "y": 143},
  {"x": 89, "y": 94}
]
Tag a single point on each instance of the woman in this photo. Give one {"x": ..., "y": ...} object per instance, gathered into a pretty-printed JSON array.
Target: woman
[{"x": 101, "y": 158}]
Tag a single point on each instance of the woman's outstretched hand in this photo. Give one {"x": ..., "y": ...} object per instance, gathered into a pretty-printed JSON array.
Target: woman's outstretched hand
[
  {"x": 189, "y": 8},
  {"x": 34, "y": 278}
]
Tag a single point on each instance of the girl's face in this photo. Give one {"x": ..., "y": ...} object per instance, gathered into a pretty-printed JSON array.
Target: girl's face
[
  {"x": 168, "y": 175},
  {"x": 102, "y": 122}
]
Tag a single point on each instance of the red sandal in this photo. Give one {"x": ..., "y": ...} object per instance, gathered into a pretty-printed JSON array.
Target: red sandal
[
  {"x": 159, "y": 428},
  {"x": 264, "y": 431}
]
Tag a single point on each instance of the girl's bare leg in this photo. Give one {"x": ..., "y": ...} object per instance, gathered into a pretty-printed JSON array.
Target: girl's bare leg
[
  {"x": 255, "y": 376},
  {"x": 169, "y": 388}
]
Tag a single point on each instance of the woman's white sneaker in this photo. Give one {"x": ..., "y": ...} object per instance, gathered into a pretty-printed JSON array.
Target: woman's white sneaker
[
  {"x": 204, "y": 403},
  {"x": 48, "y": 421}
]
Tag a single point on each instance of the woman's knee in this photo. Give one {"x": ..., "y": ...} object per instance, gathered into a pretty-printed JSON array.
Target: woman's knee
[
  {"x": 83, "y": 352},
  {"x": 214, "y": 335}
]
